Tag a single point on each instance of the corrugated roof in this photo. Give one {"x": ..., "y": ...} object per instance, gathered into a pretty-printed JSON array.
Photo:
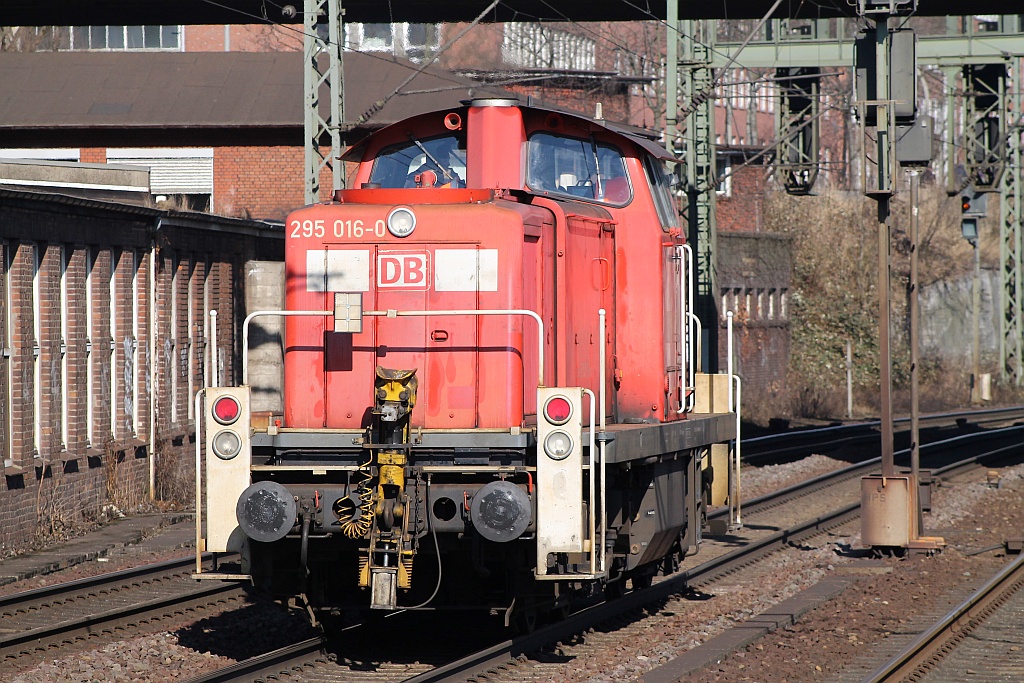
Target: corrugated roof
[{"x": 192, "y": 98}]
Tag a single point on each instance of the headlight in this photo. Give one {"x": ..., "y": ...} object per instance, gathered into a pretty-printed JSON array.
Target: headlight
[
  {"x": 226, "y": 410},
  {"x": 558, "y": 445},
  {"x": 558, "y": 410},
  {"x": 226, "y": 444},
  {"x": 401, "y": 222}
]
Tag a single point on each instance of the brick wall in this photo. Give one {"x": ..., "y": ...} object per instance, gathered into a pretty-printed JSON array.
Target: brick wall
[
  {"x": 263, "y": 182},
  {"x": 741, "y": 210},
  {"x": 243, "y": 38},
  {"x": 755, "y": 272},
  {"x": 93, "y": 155},
  {"x": 74, "y": 279}
]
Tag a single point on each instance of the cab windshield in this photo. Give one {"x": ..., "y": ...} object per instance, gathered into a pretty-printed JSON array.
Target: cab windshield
[
  {"x": 400, "y": 165},
  {"x": 577, "y": 168}
]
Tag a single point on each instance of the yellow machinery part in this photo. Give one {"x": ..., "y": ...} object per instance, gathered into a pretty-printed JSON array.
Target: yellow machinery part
[
  {"x": 394, "y": 382},
  {"x": 390, "y": 458},
  {"x": 405, "y": 570},
  {"x": 364, "y": 572}
]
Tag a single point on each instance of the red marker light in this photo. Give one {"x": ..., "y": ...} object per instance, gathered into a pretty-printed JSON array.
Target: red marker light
[
  {"x": 557, "y": 410},
  {"x": 226, "y": 410}
]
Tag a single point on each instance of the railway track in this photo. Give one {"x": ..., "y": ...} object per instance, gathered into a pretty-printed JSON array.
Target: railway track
[
  {"x": 956, "y": 645},
  {"x": 308, "y": 659},
  {"x": 37, "y": 621},
  {"x": 861, "y": 439}
]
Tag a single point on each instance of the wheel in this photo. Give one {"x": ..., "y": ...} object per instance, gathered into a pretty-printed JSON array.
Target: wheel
[
  {"x": 524, "y": 619},
  {"x": 641, "y": 581},
  {"x": 614, "y": 588}
]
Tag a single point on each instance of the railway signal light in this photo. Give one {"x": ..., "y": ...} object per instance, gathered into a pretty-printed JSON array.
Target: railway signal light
[
  {"x": 559, "y": 473},
  {"x": 227, "y": 463},
  {"x": 972, "y": 207}
]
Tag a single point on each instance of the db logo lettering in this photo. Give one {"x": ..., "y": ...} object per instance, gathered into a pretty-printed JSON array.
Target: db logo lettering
[{"x": 403, "y": 269}]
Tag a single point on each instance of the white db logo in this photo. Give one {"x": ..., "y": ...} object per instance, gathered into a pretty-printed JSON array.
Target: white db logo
[{"x": 407, "y": 270}]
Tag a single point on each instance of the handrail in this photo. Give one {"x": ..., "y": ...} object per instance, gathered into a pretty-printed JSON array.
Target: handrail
[
  {"x": 592, "y": 512},
  {"x": 392, "y": 313},
  {"x": 687, "y": 332},
  {"x": 259, "y": 314},
  {"x": 603, "y": 389},
  {"x": 199, "y": 481},
  {"x": 214, "y": 360},
  {"x": 737, "y": 408}
]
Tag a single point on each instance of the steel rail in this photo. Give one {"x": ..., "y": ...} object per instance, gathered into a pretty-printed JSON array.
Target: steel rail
[
  {"x": 580, "y": 622},
  {"x": 933, "y": 643},
  {"x": 809, "y": 486},
  {"x": 16, "y": 600},
  {"x": 290, "y": 658},
  {"x": 802, "y": 441},
  {"x": 68, "y": 628},
  {"x": 296, "y": 656},
  {"x": 24, "y": 643},
  {"x": 715, "y": 568}
]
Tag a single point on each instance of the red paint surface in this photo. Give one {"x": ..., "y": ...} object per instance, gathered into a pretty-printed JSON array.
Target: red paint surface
[{"x": 561, "y": 258}]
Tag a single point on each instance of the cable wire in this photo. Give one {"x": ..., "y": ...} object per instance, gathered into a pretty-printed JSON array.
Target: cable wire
[{"x": 379, "y": 104}]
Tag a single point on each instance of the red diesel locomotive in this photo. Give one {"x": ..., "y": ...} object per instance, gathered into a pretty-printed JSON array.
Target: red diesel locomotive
[{"x": 490, "y": 387}]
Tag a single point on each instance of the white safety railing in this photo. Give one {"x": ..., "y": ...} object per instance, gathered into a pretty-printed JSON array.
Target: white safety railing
[
  {"x": 603, "y": 388},
  {"x": 392, "y": 313},
  {"x": 591, "y": 500},
  {"x": 735, "y": 517},
  {"x": 200, "y": 395},
  {"x": 687, "y": 331},
  {"x": 214, "y": 359}
]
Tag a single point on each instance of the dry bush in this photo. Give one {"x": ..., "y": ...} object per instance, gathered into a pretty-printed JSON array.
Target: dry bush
[
  {"x": 122, "y": 492},
  {"x": 175, "y": 476},
  {"x": 834, "y": 294}
]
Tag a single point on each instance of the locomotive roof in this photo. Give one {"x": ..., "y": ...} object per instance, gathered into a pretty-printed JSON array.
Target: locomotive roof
[{"x": 642, "y": 137}]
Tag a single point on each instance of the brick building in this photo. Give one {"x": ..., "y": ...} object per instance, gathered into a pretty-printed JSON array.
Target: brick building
[
  {"x": 754, "y": 275},
  {"x": 105, "y": 343}
]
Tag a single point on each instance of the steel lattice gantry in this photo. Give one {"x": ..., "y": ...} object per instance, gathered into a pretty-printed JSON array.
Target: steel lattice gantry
[
  {"x": 991, "y": 137},
  {"x": 1011, "y": 232},
  {"x": 691, "y": 122},
  {"x": 323, "y": 76}
]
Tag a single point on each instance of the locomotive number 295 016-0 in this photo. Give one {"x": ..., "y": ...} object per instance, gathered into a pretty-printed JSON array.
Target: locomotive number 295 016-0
[{"x": 349, "y": 229}]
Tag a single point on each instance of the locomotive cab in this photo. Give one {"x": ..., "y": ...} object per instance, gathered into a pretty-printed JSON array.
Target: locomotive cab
[{"x": 490, "y": 378}]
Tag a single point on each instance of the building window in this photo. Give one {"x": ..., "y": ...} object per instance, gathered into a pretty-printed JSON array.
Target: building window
[
  {"x": 412, "y": 41},
  {"x": 175, "y": 361},
  {"x": 131, "y": 401},
  {"x": 782, "y": 305},
  {"x": 115, "y": 258},
  {"x": 771, "y": 303},
  {"x": 184, "y": 174},
  {"x": 537, "y": 46},
  {"x": 90, "y": 351},
  {"x": 37, "y": 335},
  {"x": 760, "y": 304},
  {"x": 124, "y": 38},
  {"x": 65, "y": 317},
  {"x": 723, "y": 174},
  {"x": 8, "y": 335},
  {"x": 377, "y": 38}
]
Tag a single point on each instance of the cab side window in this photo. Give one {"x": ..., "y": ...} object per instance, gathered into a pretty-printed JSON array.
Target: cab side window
[
  {"x": 400, "y": 165},
  {"x": 660, "y": 181},
  {"x": 574, "y": 167}
]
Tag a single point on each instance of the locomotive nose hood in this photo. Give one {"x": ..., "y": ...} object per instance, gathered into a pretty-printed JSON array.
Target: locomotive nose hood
[{"x": 417, "y": 296}]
